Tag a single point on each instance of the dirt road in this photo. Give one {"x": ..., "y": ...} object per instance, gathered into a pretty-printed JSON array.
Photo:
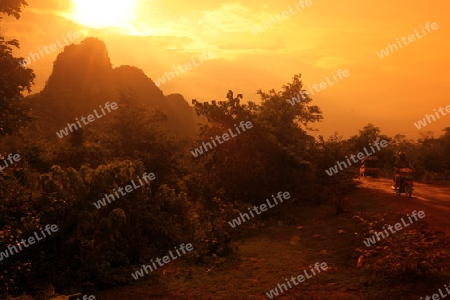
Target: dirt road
[{"x": 433, "y": 200}]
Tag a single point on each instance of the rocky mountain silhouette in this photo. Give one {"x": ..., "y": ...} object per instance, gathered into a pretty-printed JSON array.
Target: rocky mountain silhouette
[{"x": 83, "y": 78}]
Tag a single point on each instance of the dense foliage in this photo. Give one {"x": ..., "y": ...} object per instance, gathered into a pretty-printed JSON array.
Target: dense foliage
[{"x": 192, "y": 198}]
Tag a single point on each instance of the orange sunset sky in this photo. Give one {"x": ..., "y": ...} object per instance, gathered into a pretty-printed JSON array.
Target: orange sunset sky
[{"x": 391, "y": 92}]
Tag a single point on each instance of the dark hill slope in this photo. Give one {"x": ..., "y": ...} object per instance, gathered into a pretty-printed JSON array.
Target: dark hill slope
[{"x": 83, "y": 79}]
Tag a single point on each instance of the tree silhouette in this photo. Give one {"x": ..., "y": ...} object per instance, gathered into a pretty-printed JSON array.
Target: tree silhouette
[{"x": 14, "y": 79}]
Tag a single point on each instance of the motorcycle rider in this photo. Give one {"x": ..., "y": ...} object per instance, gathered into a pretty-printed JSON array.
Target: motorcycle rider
[{"x": 401, "y": 162}]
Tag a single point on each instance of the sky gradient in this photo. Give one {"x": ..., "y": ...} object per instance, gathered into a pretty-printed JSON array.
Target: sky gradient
[{"x": 392, "y": 92}]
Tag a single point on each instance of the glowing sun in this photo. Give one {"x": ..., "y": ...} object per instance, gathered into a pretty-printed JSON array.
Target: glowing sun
[{"x": 104, "y": 13}]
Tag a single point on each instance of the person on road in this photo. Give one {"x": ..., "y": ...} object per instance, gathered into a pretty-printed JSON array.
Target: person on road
[{"x": 401, "y": 162}]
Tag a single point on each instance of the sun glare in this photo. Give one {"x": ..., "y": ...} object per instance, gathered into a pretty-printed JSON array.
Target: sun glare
[{"x": 104, "y": 13}]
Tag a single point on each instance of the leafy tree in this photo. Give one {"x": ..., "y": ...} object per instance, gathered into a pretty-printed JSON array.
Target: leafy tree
[
  {"x": 269, "y": 157},
  {"x": 366, "y": 135},
  {"x": 446, "y": 130},
  {"x": 135, "y": 132},
  {"x": 333, "y": 146},
  {"x": 99, "y": 246},
  {"x": 12, "y": 7},
  {"x": 14, "y": 79}
]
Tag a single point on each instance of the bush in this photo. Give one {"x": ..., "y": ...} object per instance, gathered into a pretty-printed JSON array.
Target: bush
[{"x": 92, "y": 246}]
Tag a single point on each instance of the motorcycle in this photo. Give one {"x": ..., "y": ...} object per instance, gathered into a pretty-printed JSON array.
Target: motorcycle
[{"x": 406, "y": 182}]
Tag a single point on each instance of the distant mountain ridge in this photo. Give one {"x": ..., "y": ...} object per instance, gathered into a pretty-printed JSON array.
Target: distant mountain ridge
[{"x": 83, "y": 78}]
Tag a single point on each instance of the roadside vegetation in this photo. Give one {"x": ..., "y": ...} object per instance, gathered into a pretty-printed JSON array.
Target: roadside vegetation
[{"x": 193, "y": 199}]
